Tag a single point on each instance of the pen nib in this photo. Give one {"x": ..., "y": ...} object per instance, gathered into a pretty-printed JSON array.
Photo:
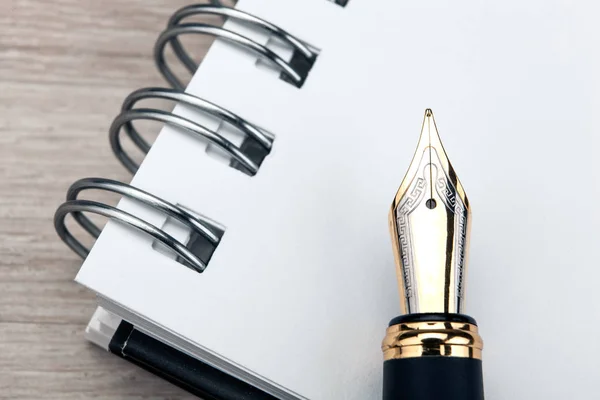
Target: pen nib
[{"x": 430, "y": 223}]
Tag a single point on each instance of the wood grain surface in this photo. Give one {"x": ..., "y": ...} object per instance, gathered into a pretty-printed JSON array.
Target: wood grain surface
[{"x": 65, "y": 67}]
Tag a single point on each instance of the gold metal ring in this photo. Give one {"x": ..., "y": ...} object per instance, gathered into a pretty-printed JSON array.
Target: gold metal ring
[{"x": 436, "y": 338}]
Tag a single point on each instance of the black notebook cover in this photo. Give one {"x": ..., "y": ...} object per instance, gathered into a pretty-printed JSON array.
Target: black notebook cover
[{"x": 179, "y": 368}]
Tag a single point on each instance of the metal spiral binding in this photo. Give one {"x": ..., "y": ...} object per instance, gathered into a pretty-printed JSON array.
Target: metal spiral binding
[
  {"x": 295, "y": 71},
  {"x": 189, "y": 254},
  {"x": 205, "y": 234},
  {"x": 249, "y": 161}
]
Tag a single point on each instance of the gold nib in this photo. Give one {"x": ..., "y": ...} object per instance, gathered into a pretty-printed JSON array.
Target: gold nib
[{"x": 430, "y": 224}]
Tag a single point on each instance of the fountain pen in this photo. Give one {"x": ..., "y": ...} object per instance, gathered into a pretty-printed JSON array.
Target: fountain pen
[{"x": 433, "y": 350}]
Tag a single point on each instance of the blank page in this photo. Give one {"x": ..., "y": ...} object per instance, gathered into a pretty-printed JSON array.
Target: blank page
[{"x": 302, "y": 286}]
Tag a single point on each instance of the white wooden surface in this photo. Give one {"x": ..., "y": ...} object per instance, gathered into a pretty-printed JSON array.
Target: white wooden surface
[{"x": 65, "y": 67}]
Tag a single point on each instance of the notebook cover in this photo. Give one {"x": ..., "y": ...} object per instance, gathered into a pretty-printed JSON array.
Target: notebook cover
[{"x": 178, "y": 368}]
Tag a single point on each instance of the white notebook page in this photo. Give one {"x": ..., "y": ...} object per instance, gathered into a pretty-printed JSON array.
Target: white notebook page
[{"x": 302, "y": 286}]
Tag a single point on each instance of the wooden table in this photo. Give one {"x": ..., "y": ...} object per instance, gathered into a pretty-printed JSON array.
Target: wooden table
[{"x": 65, "y": 67}]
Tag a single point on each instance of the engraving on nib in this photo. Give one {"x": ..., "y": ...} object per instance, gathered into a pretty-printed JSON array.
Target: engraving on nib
[{"x": 430, "y": 224}]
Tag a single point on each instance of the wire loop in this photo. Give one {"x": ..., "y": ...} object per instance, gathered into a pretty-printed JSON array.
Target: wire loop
[
  {"x": 175, "y": 28},
  {"x": 77, "y": 207}
]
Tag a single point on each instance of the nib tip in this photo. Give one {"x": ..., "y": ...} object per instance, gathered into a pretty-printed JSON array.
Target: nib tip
[{"x": 428, "y": 112}]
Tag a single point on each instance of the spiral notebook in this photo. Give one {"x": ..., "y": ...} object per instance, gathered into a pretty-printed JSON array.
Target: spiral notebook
[{"x": 252, "y": 242}]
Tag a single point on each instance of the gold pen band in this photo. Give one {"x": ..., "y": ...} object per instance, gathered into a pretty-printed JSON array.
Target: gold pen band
[{"x": 436, "y": 338}]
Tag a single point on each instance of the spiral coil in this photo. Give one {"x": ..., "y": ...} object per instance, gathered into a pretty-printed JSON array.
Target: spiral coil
[
  {"x": 205, "y": 235},
  {"x": 73, "y": 205},
  {"x": 175, "y": 28},
  {"x": 129, "y": 114}
]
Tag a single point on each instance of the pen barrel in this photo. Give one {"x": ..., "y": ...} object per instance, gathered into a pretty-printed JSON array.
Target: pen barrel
[
  {"x": 433, "y": 378},
  {"x": 431, "y": 357}
]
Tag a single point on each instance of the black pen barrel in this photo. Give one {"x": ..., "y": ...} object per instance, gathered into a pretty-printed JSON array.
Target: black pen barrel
[
  {"x": 433, "y": 378},
  {"x": 432, "y": 357}
]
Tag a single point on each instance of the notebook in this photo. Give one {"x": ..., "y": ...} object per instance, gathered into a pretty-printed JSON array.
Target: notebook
[{"x": 287, "y": 282}]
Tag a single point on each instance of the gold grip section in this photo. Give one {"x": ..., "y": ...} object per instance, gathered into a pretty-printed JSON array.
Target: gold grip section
[{"x": 437, "y": 338}]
